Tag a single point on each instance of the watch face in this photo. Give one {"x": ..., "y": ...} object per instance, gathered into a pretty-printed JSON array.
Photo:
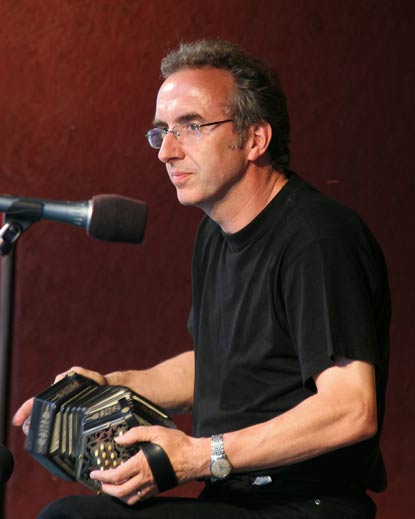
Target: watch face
[{"x": 220, "y": 468}]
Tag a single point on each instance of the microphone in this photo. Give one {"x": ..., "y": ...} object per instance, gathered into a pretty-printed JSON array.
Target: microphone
[
  {"x": 6, "y": 464},
  {"x": 105, "y": 217}
]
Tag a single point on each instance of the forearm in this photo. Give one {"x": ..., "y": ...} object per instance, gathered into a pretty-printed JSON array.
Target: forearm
[
  {"x": 300, "y": 434},
  {"x": 169, "y": 384},
  {"x": 341, "y": 413}
]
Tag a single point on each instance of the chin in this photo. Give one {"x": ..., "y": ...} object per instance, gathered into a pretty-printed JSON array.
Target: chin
[{"x": 188, "y": 199}]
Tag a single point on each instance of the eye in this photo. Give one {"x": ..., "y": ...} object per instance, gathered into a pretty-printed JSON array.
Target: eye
[{"x": 193, "y": 127}]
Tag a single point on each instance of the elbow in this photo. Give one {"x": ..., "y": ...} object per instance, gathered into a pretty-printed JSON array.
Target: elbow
[
  {"x": 370, "y": 427},
  {"x": 358, "y": 420},
  {"x": 367, "y": 430},
  {"x": 364, "y": 423}
]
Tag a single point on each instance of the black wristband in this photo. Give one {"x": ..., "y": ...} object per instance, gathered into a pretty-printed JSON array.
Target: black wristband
[{"x": 160, "y": 466}]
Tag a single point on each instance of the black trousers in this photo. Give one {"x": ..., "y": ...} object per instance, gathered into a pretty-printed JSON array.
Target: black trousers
[{"x": 232, "y": 500}]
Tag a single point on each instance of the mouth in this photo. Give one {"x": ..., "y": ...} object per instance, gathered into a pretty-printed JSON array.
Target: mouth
[{"x": 178, "y": 177}]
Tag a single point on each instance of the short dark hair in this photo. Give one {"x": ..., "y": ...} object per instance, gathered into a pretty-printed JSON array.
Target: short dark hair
[{"x": 259, "y": 96}]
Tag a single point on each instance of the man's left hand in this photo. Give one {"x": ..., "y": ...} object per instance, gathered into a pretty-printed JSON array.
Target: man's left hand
[{"x": 133, "y": 480}]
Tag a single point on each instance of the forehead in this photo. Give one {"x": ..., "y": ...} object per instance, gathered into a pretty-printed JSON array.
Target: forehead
[{"x": 200, "y": 91}]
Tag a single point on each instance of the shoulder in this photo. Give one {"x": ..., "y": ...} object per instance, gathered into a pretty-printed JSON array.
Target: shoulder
[
  {"x": 321, "y": 215},
  {"x": 312, "y": 218}
]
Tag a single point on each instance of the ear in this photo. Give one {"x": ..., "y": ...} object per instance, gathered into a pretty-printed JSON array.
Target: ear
[{"x": 260, "y": 135}]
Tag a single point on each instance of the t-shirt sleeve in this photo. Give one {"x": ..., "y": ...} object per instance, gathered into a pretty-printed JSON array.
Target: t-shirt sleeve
[{"x": 329, "y": 306}]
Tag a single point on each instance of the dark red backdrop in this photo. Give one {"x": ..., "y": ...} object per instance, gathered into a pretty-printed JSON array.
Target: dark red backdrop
[{"x": 77, "y": 87}]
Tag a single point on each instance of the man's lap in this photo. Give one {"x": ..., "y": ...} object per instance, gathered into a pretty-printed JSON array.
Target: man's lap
[{"x": 105, "y": 507}]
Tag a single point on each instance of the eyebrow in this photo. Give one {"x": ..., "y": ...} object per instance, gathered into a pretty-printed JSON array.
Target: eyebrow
[{"x": 185, "y": 118}]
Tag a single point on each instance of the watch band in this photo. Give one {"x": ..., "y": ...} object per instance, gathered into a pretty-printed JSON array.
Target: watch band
[
  {"x": 220, "y": 467},
  {"x": 218, "y": 449}
]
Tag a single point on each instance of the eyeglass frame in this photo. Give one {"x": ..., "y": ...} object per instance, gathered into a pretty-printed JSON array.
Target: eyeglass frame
[{"x": 176, "y": 133}]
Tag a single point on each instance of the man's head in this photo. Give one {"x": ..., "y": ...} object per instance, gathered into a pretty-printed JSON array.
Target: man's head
[{"x": 258, "y": 95}]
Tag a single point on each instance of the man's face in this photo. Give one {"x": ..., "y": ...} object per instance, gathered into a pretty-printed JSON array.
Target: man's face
[{"x": 205, "y": 170}]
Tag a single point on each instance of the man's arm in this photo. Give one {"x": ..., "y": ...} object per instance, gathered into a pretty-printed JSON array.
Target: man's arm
[
  {"x": 168, "y": 384},
  {"x": 342, "y": 412}
]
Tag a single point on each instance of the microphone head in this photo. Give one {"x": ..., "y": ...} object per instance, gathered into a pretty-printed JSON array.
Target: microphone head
[
  {"x": 117, "y": 218},
  {"x": 6, "y": 464}
]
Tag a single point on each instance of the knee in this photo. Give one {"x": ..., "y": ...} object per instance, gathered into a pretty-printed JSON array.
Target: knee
[{"x": 64, "y": 508}]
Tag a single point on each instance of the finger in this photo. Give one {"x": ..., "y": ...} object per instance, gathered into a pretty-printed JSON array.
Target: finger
[
  {"x": 130, "y": 491},
  {"x": 128, "y": 437},
  {"x": 26, "y": 426},
  {"x": 110, "y": 476},
  {"x": 136, "y": 466},
  {"x": 141, "y": 433},
  {"x": 119, "y": 475},
  {"x": 23, "y": 413},
  {"x": 93, "y": 375},
  {"x": 60, "y": 376},
  {"x": 124, "y": 489},
  {"x": 140, "y": 495},
  {"x": 130, "y": 499}
]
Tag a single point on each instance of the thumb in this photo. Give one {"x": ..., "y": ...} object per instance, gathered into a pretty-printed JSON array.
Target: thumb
[{"x": 23, "y": 413}]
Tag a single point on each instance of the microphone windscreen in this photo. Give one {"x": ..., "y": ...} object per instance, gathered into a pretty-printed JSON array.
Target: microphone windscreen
[
  {"x": 6, "y": 464},
  {"x": 117, "y": 218}
]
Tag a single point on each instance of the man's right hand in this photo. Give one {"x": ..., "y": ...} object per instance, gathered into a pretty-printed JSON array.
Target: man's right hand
[
  {"x": 93, "y": 375},
  {"x": 22, "y": 415}
]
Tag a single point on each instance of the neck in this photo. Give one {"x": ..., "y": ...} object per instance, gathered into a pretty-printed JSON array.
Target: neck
[{"x": 246, "y": 200}]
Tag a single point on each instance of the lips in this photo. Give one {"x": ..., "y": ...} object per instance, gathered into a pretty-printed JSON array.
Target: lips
[{"x": 179, "y": 178}]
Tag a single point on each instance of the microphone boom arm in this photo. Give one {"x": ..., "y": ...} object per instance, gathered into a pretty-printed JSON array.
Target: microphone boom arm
[{"x": 18, "y": 218}]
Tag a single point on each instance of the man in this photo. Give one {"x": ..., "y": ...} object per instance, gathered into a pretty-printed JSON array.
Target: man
[{"x": 289, "y": 319}]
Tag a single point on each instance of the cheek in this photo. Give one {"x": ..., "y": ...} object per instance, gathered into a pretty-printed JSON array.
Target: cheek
[{"x": 217, "y": 164}]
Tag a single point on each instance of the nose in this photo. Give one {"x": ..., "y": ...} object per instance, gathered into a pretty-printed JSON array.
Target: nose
[{"x": 171, "y": 149}]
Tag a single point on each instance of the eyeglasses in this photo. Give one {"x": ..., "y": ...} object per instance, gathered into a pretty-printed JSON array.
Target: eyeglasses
[{"x": 183, "y": 131}]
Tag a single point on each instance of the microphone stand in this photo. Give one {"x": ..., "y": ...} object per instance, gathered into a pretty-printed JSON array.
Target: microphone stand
[{"x": 18, "y": 218}]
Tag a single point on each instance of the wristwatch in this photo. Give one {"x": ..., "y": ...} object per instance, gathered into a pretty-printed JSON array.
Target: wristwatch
[{"x": 220, "y": 466}]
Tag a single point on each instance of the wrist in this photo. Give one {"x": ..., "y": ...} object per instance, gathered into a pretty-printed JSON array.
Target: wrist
[{"x": 202, "y": 449}]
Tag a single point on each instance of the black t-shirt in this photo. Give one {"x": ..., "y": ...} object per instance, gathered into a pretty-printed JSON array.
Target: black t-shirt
[{"x": 272, "y": 305}]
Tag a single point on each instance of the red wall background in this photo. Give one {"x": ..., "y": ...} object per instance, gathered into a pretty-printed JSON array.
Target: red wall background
[{"x": 78, "y": 80}]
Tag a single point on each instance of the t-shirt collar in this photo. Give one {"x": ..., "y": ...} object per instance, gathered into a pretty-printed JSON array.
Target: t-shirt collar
[{"x": 269, "y": 215}]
